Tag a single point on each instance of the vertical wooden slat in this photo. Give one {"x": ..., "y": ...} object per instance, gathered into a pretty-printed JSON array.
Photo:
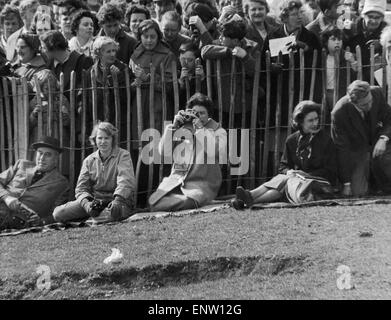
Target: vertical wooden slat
[
  {"x": 2, "y": 134},
  {"x": 291, "y": 91},
  {"x": 24, "y": 121},
  {"x": 15, "y": 98},
  {"x": 139, "y": 132},
  {"x": 164, "y": 116},
  {"x": 11, "y": 147},
  {"x": 231, "y": 113},
  {"x": 336, "y": 78},
  {"x": 278, "y": 119},
  {"x": 175, "y": 86},
  {"x": 187, "y": 86},
  {"x": 50, "y": 110},
  {"x": 94, "y": 94},
  {"x": 128, "y": 110},
  {"x": 348, "y": 70},
  {"x": 243, "y": 79},
  {"x": 83, "y": 114},
  {"x": 151, "y": 122},
  {"x": 219, "y": 92},
  {"x": 39, "y": 103},
  {"x": 73, "y": 131},
  {"x": 265, "y": 157},
  {"x": 254, "y": 108},
  {"x": 313, "y": 74},
  {"x": 359, "y": 62},
  {"x": 106, "y": 105},
  {"x": 302, "y": 75},
  {"x": 209, "y": 78},
  {"x": 324, "y": 87},
  {"x": 61, "y": 120},
  {"x": 197, "y": 77},
  {"x": 117, "y": 102},
  {"x": 372, "y": 64},
  {"x": 384, "y": 66}
]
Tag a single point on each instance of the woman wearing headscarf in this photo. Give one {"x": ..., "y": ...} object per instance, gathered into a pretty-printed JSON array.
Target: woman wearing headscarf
[{"x": 309, "y": 154}]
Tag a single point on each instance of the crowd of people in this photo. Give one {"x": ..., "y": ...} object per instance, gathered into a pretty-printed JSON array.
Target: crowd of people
[{"x": 43, "y": 39}]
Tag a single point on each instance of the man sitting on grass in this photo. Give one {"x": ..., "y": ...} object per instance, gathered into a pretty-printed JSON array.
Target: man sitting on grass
[{"x": 29, "y": 191}]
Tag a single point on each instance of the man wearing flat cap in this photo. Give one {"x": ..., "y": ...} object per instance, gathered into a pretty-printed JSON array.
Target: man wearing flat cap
[
  {"x": 30, "y": 191},
  {"x": 361, "y": 129}
]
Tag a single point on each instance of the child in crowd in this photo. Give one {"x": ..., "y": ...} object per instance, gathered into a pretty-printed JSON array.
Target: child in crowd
[
  {"x": 332, "y": 41},
  {"x": 192, "y": 72}
]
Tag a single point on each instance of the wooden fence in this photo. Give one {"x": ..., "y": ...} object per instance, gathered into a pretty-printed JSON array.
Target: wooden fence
[{"x": 267, "y": 135}]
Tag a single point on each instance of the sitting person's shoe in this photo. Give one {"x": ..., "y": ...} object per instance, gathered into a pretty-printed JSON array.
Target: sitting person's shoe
[
  {"x": 245, "y": 196},
  {"x": 237, "y": 204}
]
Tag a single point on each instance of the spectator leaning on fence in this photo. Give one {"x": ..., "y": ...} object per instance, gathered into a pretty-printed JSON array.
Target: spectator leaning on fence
[
  {"x": 106, "y": 64},
  {"x": 110, "y": 17},
  {"x": 309, "y": 153},
  {"x": 151, "y": 50},
  {"x": 29, "y": 190},
  {"x": 366, "y": 31},
  {"x": 84, "y": 26},
  {"x": 195, "y": 179},
  {"x": 259, "y": 25},
  {"x": 233, "y": 45},
  {"x": 106, "y": 184},
  {"x": 134, "y": 15},
  {"x": 361, "y": 129},
  {"x": 62, "y": 60},
  {"x": 27, "y": 10}
]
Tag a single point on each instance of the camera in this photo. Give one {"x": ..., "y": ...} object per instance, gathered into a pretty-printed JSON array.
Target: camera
[
  {"x": 97, "y": 206},
  {"x": 188, "y": 115}
]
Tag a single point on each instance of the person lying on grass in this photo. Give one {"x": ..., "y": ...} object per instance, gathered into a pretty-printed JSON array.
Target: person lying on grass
[
  {"x": 106, "y": 184},
  {"x": 309, "y": 154}
]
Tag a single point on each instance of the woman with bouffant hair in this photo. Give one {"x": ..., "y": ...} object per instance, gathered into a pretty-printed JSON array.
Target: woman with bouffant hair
[
  {"x": 309, "y": 153},
  {"x": 106, "y": 184}
]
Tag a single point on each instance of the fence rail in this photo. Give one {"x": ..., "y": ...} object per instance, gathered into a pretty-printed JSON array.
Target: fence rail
[{"x": 70, "y": 114}]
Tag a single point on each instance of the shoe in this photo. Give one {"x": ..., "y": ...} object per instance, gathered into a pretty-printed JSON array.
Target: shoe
[
  {"x": 245, "y": 196},
  {"x": 237, "y": 204}
]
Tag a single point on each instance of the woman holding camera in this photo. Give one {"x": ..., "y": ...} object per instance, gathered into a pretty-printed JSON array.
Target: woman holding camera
[
  {"x": 309, "y": 154},
  {"x": 106, "y": 184},
  {"x": 195, "y": 177}
]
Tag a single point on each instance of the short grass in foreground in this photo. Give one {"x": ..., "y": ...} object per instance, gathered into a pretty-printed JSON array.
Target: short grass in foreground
[{"x": 265, "y": 254}]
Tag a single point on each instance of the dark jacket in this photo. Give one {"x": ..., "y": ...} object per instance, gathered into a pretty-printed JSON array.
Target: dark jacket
[
  {"x": 127, "y": 44},
  {"x": 313, "y": 43},
  {"x": 350, "y": 131},
  {"x": 76, "y": 62},
  {"x": 216, "y": 51},
  {"x": 321, "y": 163},
  {"x": 358, "y": 35},
  {"x": 253, "y": 33}
]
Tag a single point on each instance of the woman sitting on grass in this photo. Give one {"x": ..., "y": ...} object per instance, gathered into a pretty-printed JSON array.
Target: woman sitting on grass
[
  {"x": 106, "y": 184},
  {"x": 309, "y": 154}
]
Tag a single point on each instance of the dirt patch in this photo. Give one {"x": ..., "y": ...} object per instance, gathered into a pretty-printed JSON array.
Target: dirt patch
[{"x": 151, "y": 277}]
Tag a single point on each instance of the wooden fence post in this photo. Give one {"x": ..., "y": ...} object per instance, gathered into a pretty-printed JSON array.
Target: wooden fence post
[{"x": 278, "y": 120}]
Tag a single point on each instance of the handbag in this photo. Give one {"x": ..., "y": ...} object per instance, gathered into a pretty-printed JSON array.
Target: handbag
[{"x": 302, "y": 188}]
